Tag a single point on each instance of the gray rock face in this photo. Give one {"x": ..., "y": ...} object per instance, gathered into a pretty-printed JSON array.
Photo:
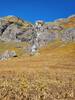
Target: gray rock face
[
  {"x": 13, "y": 29},
  {"x": 68, "y": 35},
  {"x": 25, "y": 36},
  {"x": 10, "y": 33},
  {"x": 8, "y": 54},
  {"x": 39, "y": 34},
  {"x": 15, "y": 33}
]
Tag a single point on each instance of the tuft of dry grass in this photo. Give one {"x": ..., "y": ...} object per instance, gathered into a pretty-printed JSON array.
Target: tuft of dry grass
[{"x": 40, "y": 85}]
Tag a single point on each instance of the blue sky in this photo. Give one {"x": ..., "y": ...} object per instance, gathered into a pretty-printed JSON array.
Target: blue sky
[{"x": 32, "y": 10}]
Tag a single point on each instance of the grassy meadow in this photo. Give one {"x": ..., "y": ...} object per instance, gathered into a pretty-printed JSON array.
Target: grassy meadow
[{"x": 48, "y": 75}]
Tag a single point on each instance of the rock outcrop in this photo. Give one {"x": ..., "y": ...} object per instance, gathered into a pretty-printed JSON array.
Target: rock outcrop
[
  {"x": 39, "y": 34},
  {"x": 8, "y": 54},
  {"x": 12, "y": 28}
]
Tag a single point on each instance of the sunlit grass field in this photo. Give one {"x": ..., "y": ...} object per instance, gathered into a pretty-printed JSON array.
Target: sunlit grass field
[{"x": 48, "y": 75}]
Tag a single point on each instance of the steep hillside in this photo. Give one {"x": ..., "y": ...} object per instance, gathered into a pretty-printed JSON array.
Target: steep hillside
[
  {"x": 67, "y": 22},
  {"x": 14, "y": 29},
  {"x": 37, "y": 62}
]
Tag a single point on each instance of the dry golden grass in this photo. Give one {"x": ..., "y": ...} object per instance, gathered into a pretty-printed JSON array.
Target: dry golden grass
[{"x": 48, "y": 75}]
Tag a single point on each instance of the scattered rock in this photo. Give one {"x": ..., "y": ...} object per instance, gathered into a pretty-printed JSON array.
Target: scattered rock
[
  {"x": 68, "y": 35},
  {"x": 39, "y": 34},
  {"x": 8, "y": 54}
]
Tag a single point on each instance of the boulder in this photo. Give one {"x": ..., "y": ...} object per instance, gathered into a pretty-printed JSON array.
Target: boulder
[
  {"x": 8, "y": 54},
  {"x": 10, "y": 33},
  {"x": 12, "y": 28}
]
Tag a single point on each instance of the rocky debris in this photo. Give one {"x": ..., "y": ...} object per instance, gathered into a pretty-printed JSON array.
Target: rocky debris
[
  {"x": 39, "y": 23},
  {"x": 39, "y": 34},
  {"x": 15, "y": 29},
  {"x": 33, "y": 49},
  {"x": 43, "y": 34},
  {"x": 54, "y": 27},
  {"x": 69, "y": 35},
  {"x": 8, "y": 54},
  {"x": 16, "y": 20},
  {"x": 25, "y": 36}
]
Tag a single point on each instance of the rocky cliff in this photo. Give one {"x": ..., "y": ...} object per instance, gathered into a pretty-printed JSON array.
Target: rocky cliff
[
  {"x": 15, "y": 29},
  {"x": 11, "y": 28}
]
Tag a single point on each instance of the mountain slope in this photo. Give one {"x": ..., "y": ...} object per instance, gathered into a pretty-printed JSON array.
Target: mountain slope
[
  {"x": 49, "y": 74},
  {"x": 14, "y": 29}
]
